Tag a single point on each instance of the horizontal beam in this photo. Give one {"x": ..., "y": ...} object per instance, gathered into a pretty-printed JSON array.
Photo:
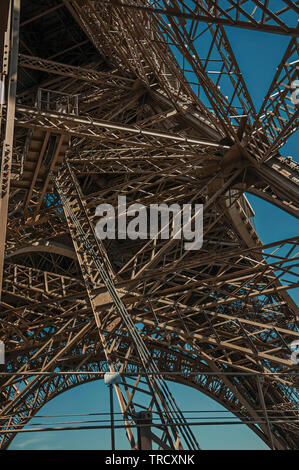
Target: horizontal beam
[
  {"x": 97, "y": 129},
  {"x": 80, "y": 73}
]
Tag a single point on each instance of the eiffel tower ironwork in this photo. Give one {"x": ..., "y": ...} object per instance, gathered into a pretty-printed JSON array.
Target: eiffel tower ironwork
[{"x": 146, "y": 99}]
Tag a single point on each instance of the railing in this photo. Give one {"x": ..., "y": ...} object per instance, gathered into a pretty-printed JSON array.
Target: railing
[{"x": 60, "y": 102}]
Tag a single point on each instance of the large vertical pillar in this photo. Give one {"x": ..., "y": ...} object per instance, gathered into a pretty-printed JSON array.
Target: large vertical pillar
[
  {"x": 4, "y": 49},
  {"x": 10, "y": 50}
]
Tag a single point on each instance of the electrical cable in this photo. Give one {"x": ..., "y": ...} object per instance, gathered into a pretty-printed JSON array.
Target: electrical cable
[{"x": 173, "y": 422}]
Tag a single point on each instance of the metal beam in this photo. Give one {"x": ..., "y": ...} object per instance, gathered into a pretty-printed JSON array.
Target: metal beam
[{"x": 7, "y": 150}]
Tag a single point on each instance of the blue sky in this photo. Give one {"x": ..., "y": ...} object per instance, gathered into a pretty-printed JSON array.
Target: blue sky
[{"x": 258, "y": 54}]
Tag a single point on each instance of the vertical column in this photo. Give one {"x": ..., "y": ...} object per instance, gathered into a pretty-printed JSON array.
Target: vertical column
[
  {"x": 144, "y": 420},
  {"x": 13, "y": 20}
]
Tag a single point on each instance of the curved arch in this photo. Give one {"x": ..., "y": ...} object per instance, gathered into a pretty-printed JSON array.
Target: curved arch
[
  {"x": 185, "y": 382},
  {"x": 200, "y": 386},
  {"x": 219, "y": 118}
]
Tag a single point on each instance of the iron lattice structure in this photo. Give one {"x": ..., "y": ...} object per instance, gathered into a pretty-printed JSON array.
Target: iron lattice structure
[{"x": 153, "y": 106}]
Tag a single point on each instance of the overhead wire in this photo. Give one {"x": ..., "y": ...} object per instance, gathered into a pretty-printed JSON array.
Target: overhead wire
[
  {"x": 269, "y": 410},
  {"x": 145, "y": 356},
  {"x": 159, "y": 425}
]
